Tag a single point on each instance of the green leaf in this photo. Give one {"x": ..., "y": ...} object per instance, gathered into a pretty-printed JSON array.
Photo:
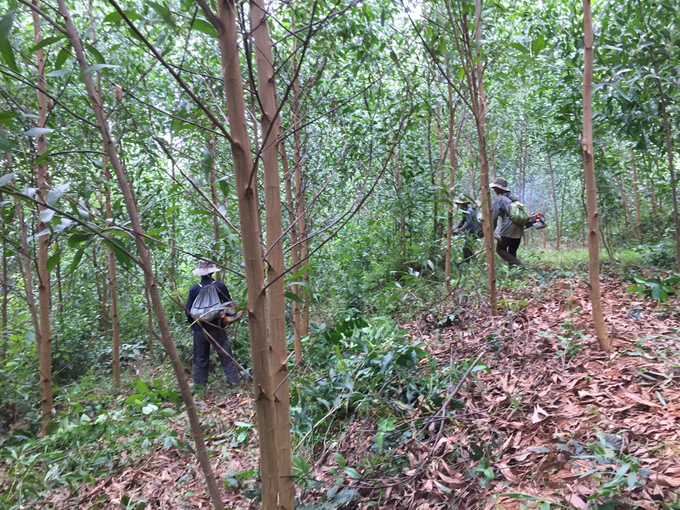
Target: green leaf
[
  {"x": 76, "y": 259},
  {"x": 37, "y": 131},
  {"x": 98, "y": 67},
  {"x": 6, "y": 26},
  {"x": 201, "y": 212},
  {"x": 95, "y": 53},
  {"x": 45, "y": 42},
  {"x": 164, "y": 13},
  {"x": 135, "y": 399},
  {"x": 53, "y": 261},
  {"x": 340, "y": 460},
  {"x": 141, "y": 386},
  {"x": 352, "y": 473},
  {"x": 57, "y": 73},
  {"x": 519, "y": 47},
  {"x": 300, "y": 466},
  {"x": 5, "y": 146},
  {"x": 294, "y": 297},
  {"x": 6, "y": 179},
  {"x": 46, "y": 215},
  {"x": 8, "y": 55},
  {"x": 78, "y": 238},
  {"x": 115, "y": 17},
  {"x": 62, "y": 56},
  {"x": 121, "y": 256},
  {"x": 203, "y": 26},
  {"x": 537, "y": 45},
  {"x": 55, "y": 194}
]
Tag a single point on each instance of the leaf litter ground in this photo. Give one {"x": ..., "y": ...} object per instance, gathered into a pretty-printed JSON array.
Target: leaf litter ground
[{"x": 524, "y": 433}]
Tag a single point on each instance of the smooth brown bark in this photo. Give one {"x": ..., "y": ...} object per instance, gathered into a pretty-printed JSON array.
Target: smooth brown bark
[
  {"x": 591, "y": 190},
  {"x": 558, "y": 233},
  {"x": 144, "y": 256},
  {"x": 479, "y": 101},
  {"x": 113, "y": 280},
  {"x": 44, "y": 289},
  {"x": 212, "y": 142},
  {"x": 274, "y": 262},
  {"x": 246, "y": 188},
  {"x": 636, "y": 199}
]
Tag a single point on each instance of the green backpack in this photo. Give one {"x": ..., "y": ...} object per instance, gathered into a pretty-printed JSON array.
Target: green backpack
[{"x": 518, "y": 213}]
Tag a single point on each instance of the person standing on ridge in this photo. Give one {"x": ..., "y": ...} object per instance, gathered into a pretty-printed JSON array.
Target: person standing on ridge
[
  {"x": 469, "y": 226},
  {"x": 207, "y": 332},
  {"x": 510, "y": 233}
]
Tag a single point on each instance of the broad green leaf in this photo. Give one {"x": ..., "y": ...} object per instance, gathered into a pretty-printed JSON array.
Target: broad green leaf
[
  {"x": 98, "y": 67},
  {"x": 340, "y": 460},
  {"x": 95, "y": 53},
  {"x": 55, "y": 194},
  {"x": 57, "y": 73},
  {"x": 6, "y": 26},
  {"x": 203, "y": 26},
  {"x": 76, "y": 259},
  {"x": 6, "y": 179},
  {"x": 352, "y": 473},
  {"x": 45, "y": 42},
  {"x": 115, "y": 17},
  {"x": 537, "y": 45},
  {"x": 62, "y": 56},
  {"x": 294, "y": 297},
  {"x": 7, "y": 53},
  {"x": 519, "y": 47},
  {"x": 141, "y": 386},
  {"x": 5, "y": 146},
  {"x": 46, "y": 215},
  {"x": 53, "y": 261},
  {"x": 37, "y": 131},
  {"x": 121, "y": 256}
]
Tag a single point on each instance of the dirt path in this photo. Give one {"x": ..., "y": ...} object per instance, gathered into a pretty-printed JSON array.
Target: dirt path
[{"x": 553, "y": 412}]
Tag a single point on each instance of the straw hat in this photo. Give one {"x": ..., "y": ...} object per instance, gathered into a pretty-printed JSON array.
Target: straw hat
[{"x": 205, "y": 267}]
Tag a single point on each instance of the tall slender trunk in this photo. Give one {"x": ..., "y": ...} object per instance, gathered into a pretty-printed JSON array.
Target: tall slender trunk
[
  {"x": 99, "y": 285},
  {"x": 113, "y": 280},
  {"x": 212, "y": 142},
  {"x": 5, "y": 292},
  {"x": 480, "y": 116},
  {"x": 300, "y": 202},
  {"x": 297, "y": 231},
  {"x": 294, "y": 252},
  {"x": 626, "y": 208},
  {"x": 402, "y": 213},
  {"x": 246, "y": 187},
  {"x": 144, "y": 255},
  {"x": 636, "y": 199},
  {"x": 276, "y": 306},
  {"x": 149, "y": 322},
  {"x": 44, "y": 290},
  {"x": 554, "y": 196},
  {"x": 591, "y": 190},
  {"x": 671, "y": 171}
]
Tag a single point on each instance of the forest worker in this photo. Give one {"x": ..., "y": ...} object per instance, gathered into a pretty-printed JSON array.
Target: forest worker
[
  {"x": 469, "y": 226},
  {"x": 510, "y": 233},
  {"x": 207, "y": 332}
]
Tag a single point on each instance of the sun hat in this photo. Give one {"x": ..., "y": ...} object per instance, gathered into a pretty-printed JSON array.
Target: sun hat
[
  {"x": 461, "y": 200},
  {"x": 500, "y": 183},
  {"x": 205, "y": 267}
]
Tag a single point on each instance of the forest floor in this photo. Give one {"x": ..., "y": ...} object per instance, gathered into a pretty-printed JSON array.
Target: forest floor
[
  {"x": 556, "y": 420},
  {"x": 550, "y": 421}
]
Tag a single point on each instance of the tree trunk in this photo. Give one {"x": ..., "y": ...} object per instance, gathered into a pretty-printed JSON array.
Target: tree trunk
[
  {"x": 276, "y": 305},
  {"x": 480, "y": 116},
  {"x": 212, "y": 142},
  {"x": 636, "y": 200},
  {"x": 671, "y": 170},
  {"x": 5, "y": 292},
  {"x": 44, "y": 290},
  {"x": 246, "y": 186},
  {"x": 453, "y": 163},
  {"x": 554, "y": 194},
  {"x": 300, "y": 211},
  {"x": 144, "y": 256},
  {"x": 113, "y": 280},
  {"x": 591, "y": 191},
  {"x": 626, "y": 208},
  {"x": 294, "y": 252}
]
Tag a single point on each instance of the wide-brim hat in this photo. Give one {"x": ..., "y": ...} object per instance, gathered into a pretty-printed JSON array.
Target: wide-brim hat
[
  {"x": 461, "y": 201},
  {"x": 205, "y": 267},
  {"x": 500, "y": 183}
]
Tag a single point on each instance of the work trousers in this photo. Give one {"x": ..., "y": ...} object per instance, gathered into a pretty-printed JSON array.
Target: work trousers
[
  {"x": 202, "y": 354},
  {"x": 507, "y": 249}
]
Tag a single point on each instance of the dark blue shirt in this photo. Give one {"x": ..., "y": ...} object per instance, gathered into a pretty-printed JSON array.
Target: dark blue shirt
[{"x": 222, "y": 291}]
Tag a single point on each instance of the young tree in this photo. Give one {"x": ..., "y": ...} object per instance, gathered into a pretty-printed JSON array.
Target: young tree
[{"x": 589, "y": 175}]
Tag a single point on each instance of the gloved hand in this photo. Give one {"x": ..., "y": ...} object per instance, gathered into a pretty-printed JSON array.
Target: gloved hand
[{"x": 230, "y": 319}]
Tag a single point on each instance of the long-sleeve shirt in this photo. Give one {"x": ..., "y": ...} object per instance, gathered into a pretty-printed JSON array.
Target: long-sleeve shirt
[
  {"x": 501, "y": 209},
  {"x": 222, "y": 292},
  {"x": 468, "y": 222}
]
